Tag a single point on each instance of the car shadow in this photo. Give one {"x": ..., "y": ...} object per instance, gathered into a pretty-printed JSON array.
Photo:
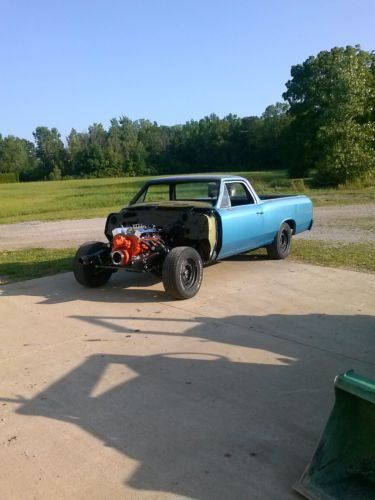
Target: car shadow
[
  {"x": 203, "y": 423},
  {"x": 122, "y": 287},
  {"x": 253, "y": 256}
]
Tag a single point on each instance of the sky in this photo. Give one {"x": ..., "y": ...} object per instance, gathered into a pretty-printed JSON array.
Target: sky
[{"x": 70, "y": 63}]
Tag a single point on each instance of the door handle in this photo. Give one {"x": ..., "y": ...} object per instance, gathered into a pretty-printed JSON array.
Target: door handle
[{"x": 259, "y": 213}]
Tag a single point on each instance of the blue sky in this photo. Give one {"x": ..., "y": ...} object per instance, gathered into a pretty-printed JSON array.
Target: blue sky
[{"x": 74, "y": 62}]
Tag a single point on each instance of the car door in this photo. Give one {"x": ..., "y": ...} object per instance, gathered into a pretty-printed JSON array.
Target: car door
[{"x": 242, "y": 221}]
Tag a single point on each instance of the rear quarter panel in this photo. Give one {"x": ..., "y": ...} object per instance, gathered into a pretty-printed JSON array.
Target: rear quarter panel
[{"x": 297, "y": 210}]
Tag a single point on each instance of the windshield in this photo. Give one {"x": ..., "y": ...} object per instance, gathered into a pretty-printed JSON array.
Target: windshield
[{"x": 198, "y": 191}]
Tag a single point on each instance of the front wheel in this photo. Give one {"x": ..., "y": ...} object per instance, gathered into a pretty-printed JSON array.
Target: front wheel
[
  {"x": 281, "y": 245},
  {"x": 88, "y": 275},
  {"x": 182, "y": 272}
]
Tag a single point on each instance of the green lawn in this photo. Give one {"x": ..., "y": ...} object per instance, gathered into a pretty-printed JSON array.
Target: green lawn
[
  {"x": 57, "y": 200},
  {"x": 87, "y": 198},
  {"x": 19, "y": 265},
  {"x": 356, "y": 256}
]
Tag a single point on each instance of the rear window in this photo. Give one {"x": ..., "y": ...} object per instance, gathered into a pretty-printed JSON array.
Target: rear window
[
  {"x": 203, "y": 191},
  {"x": 156, "y": 192}
]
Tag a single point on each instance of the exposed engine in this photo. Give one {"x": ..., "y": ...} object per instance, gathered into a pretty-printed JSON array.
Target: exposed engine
[{"x": 136, "y": 245}]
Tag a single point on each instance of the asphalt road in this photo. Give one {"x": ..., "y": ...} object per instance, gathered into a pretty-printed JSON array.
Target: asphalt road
[{"x": 121, "y": 392}]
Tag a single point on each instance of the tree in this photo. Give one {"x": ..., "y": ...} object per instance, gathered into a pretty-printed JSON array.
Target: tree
[
  {"x": 273, "y": 136},
  {"x": 17, "y": 156},
  {"x": 91, "y": 161},
  {"x": 332, "y": 101},
  {"x": 125, "y": 148},
  {"x": 77, "y": 142},
  {"x": 51, "y": 152},
  {"x": 154, "y": 140}
]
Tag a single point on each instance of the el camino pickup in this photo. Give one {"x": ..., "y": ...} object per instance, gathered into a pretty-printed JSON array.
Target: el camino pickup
[{"x": 174, "y": 226}]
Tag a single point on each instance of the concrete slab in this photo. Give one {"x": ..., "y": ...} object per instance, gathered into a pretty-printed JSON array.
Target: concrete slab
[{"x": 121, "y": 392}]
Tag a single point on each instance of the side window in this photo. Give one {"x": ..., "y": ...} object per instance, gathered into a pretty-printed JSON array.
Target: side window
[
  {"x": 225, "y": 202},
  {"x": 238, "y": 194}
]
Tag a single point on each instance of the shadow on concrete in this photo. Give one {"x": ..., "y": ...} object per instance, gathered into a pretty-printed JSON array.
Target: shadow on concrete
[
  {"x": 202, "y": 424},
  {"x": 122, "y": 287},
  {"x": 248, "y": 257}
]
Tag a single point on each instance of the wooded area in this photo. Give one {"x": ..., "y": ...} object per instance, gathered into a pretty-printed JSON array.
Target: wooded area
[{"x": 325, "y": 130}]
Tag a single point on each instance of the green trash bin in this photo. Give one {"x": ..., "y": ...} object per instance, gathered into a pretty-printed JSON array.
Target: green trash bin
[{"x": 343, "y": 465}]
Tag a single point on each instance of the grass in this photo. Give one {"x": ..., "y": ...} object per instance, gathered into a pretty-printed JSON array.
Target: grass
[
  {"x": 355, "y": 256},
  {"x": 75, "y": 199},
  {"x": 352, "y": 256},
  {"x": 20, "y": 265},
  {"x": 57, "y": 200},
  {"x": 88, "y": 198}
]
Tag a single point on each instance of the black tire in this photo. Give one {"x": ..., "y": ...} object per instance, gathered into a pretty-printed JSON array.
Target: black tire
[
  {"x": 182, "y": 273},
  {"x": 282, "y": 244},
  {"x": 87, "y": 275}
]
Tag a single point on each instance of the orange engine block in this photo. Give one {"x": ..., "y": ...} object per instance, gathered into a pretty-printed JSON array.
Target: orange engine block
[{"x": 126, "y": 247}]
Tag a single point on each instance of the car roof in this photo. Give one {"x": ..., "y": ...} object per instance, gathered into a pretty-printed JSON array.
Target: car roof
[{"x": 193, "y": 178}]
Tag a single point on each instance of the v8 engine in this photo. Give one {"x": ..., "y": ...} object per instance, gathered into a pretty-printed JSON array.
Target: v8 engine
[{"x": 136, "y": 245}]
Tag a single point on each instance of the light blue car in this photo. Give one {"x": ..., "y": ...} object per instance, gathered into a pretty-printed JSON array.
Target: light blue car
[{"x": 175, "y": 225}]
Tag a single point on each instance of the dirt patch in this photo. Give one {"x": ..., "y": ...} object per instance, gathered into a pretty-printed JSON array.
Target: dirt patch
[
  {"x": 341, "y": 224},
  {"x": 58, "y": 234}
]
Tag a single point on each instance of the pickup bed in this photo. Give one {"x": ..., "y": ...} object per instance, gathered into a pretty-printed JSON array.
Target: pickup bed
[{"x": 174, "y": 226}]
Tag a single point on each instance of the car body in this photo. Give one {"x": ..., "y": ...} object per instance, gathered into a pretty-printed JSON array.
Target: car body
[{"x": 206, "y": 217}]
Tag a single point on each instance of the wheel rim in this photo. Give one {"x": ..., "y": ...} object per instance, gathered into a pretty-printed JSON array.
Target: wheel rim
[
  {"x": 284, "y": 241},
  {"x": 189, "y": 273}
]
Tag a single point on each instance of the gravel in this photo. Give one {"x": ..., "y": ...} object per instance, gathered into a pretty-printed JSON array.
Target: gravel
[
  {"x": 337, "y": 224},
  {"x": 343, "y": 224}
]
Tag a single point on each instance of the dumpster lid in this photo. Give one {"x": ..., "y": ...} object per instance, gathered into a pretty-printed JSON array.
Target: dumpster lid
[{"x": 355, "y": 384}]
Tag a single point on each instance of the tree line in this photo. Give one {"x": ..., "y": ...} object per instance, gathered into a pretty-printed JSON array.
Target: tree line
[{"x": 324, "y": 129}]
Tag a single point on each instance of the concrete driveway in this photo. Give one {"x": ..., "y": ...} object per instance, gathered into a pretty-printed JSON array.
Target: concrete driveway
[{"x": 120, "y": 392}]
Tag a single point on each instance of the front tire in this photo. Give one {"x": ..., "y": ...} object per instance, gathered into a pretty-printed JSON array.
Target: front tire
[
  {"x": 182, "y": 273},
  {"x": 282, "y": 244},
  {"x": 85, "y": 274}
]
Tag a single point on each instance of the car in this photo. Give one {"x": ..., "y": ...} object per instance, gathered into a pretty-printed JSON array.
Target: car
[{"x": 174, "y": 226}]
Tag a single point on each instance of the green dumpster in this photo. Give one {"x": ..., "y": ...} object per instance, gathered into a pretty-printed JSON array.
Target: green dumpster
[{"x": 343, "y": 465}]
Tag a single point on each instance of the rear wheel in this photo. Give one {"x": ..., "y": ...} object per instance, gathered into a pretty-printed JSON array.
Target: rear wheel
[
  {"x": 281, "y": 245},
  {"x": 86, "y": 274},
  {"x": 182, "y": 272}
]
